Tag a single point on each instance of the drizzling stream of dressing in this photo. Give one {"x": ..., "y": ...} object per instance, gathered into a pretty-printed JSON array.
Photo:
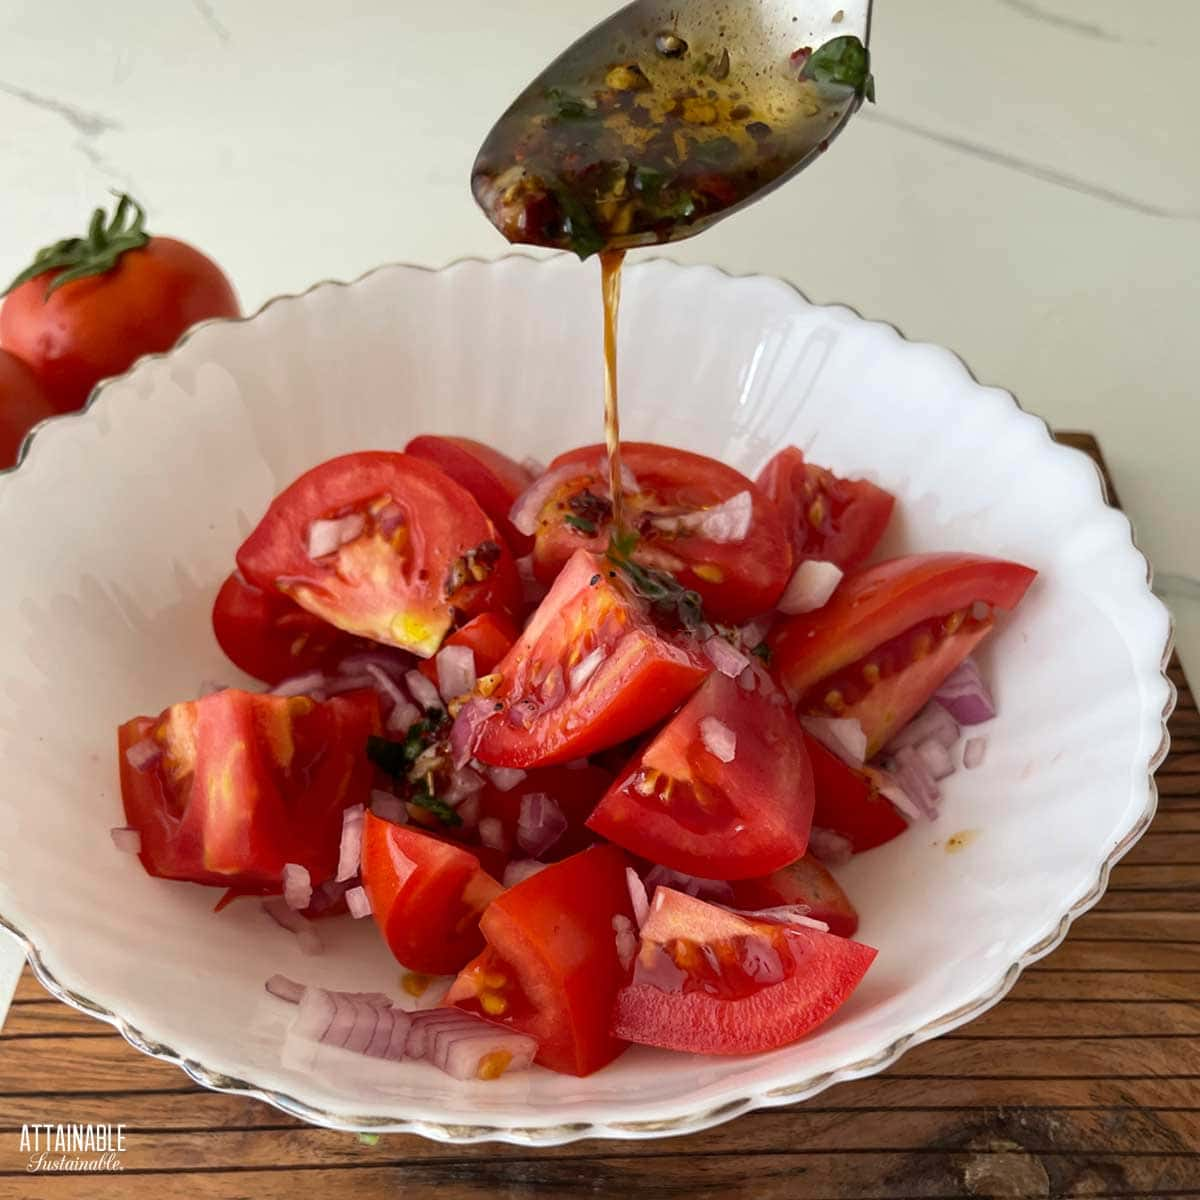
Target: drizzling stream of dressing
[{"x": 610, "y": 291}]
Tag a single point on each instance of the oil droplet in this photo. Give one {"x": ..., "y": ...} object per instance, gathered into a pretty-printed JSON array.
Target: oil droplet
[{"x": 960, "y": 840}]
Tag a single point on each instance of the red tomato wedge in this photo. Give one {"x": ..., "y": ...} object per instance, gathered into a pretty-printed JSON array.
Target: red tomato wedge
[
  {"x": 401, "y": 550},
  {"x": 848, "y": 801},
  {"x": 490, "y": 636},
  {"x": 576, "y": 791},
  {"x": 679, "y": 804},
  {"x": 890, "y": 635},
  {"x": 246, "y": 783},
  {"x": 806, "y": 881},
  {"x": 272, "y": 637},
  {"x": 426, "y": 896},
  {"x": 589, "y": 671},
  {"x": 491, "y": 477},
  {"x": 736, "y": 579},
  {"x": 551, "y": 968},
  {"x": 711, "y": 982},
  {"x": 827, "y": 518}
]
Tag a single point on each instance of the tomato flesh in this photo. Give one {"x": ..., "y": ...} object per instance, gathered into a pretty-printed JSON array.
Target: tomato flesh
[
  {"x": 807, "y": 881},
  {"x": 848, "y": 802},
  {"x": 827, "y": 518},
  {"x": 736, "y": 580},
  {"x": 23, "y": 404},
  {"x": 494, "y": 479},
  {"x": 576, "y": 791},
  {"x": 419, "y": 553},
  {"x": 551, "y": 968},
  {"x": 246, "y": 783},
  {"x": 426, "y": 896},
  {"x": 679, "y": 805},
  {"x": 538, "y": 716},
  {"x": 709, "y": 981},
  {"x": 489, "y": 635}
]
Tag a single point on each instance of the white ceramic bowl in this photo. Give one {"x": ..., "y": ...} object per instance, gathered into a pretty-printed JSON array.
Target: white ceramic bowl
[{"x": 121, "y": 522}]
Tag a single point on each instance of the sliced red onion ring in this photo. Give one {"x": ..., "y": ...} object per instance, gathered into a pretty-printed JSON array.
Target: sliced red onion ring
[
  {"x": 528, "y": 506},
  {"x": 358, "y": 902},
  {"x": 350, "y": 850},
  {"x": 491, "y": 833},
  {"x": 540, "y": 824},
  {"x": 277, "y": 909},
  {"x": 637, "y": 896},
  {"x": 126, "y": 839},
  {"x": 729, "y": 660},
  {"x": 312, "y": 683},
  {"x": 422, "y": 691},
  {"x": 973, "y": 752},
  {"x": 719, "y": 740},
  {"x": 505, "y": 778},
  {"x": 692, "y": 885},
  {"x": 521, "y": 869},
  {"x": 626, "y": 940},
  {"x": 456, "y": 671},
  {"x": 297, "y": 886},
  {"x": 728, "y": 521},
  {"x": 831, "y": 848},
  {"x": 325, "y": 537},
  {"x": 936, "y": 758},
  {"x": 965, "y": 696},
  {"x": 465, "y": 1046},
  {"x": 141, "y": 756},
  {"x": 286, "y": 989},
  {"x": 811, "y": 585},
  {"x": 468, "y": 729},
  {"x": 585, "y": 668},
  {"x": 933, "y": 721},
  {"x": 842, "y": 735}
]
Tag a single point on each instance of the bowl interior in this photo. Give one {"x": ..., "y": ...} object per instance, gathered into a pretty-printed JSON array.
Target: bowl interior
[{"x": 122, "y": 522}]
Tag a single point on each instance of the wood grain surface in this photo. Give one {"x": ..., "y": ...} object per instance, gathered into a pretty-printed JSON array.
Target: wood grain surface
[{"x": 1084, "y": 1082}]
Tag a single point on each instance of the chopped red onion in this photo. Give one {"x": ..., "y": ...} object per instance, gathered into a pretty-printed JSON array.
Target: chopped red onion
[
  {"x": 350, "y": 850},
  {"x": 917, "y": 781},
  {"x": 748, "y": 680},
  {"x": 141, "y": 756},
  {"x": 277, "y": 909},
  {"x": 890, "y": 789},
  {"x": 286, "y": 989},
  {"x": 339, "y": 684},
  {"x": 422, "y": 691},
  {"x": 843, "y": 735},
  {"x": 385, "y": 685},
  {"x": 463, "y": 783},
  {"x": 297, "y": 886},
  {"x": 692, "y": 885},
  {"x": 936, "y": 758},
  {"x": 811, "y": 585},
  {"x": 528, "y": 506},
  {"x": 540, "y": 824},
  {"x": 389, "y": 518},
  {"x": 629, "y": 481},
  {"x": 973, "y": 752},
  {"x": 521, "y": 869},
  {"x": 626, "y": 940},
  {"x": 728, "y": 521},
  {"x": 468, "y": 729},
  {"x": 505, "y": 778},
  {"x": 324, "y": 537},
  {"x": 719, "y": 740},
  {"x": 533, "y": 466},
  {"x": 831, "y": 848},
  {"x": 358, "y": 902},
  {"x": 126, "y": 839},
  {"x": 533, "y": 590},
  {"x": 753, "y": 633},
  {"x": 637, "y": 896},
  {"x": 403, "y": 717},
  {"x": 729, "y": 660},
  {"x": 782, "y": 914},
  {"x": 491, "y": 833},
  {"x": 460, "y": 1044},
  {"x": 585, "y": 668},
  {"x": 981, "y": 611},
  {"x": 388, "y": 807},
  {"x": 312, "y": 683},
  {"x": 456, "y": 671},
  {"x": 468, "y": 812},
  {"x": 933, "y": 721},
  {"x": 965, "y": 696}
]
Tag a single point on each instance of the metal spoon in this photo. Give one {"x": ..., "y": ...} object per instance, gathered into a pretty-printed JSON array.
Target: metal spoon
[{"x": 669, "y": 116}]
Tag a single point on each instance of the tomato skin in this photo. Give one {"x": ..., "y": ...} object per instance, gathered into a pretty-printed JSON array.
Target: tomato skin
[
  {"x": 391, "y": 587},
  {"x": 426, "y": 896},
  {"x": 737, "y": 580},
  {"x": 823, "y": 973},
  {"x": 849, "y": 803},
  {"x": 732, "y": 820},
  {"x": 532, "y": 719},
  {"x": 494, "y": 479},
  {"x": 271, "y": 637},
  {"x": 806, "y": 881},
  {"x": 23, "y": 403},
  {"x": 490, "y": 636},
  {"x": 247, "y": 783},
  {"x": 851, "y": 514},
  {"x": 554, "y": 936},
  {"x": 90, "y": 329}
]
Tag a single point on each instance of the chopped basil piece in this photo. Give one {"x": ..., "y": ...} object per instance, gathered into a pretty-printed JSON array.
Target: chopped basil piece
[
  {"x": 578, "y": 225},
  {"x": 430, "y": 802},
  {"x": 580, "y": 523},
  {"x": 844, "y": 61},
  {"x": 763, "y": 651},
  {"x": 716, "y": 152},
  {"x": 664, "y": 592}
]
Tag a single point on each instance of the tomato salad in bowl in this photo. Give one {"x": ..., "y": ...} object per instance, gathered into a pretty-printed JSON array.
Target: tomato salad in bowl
[{"x": 588, "y": 782}]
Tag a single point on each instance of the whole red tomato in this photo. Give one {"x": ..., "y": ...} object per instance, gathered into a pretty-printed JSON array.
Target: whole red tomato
[
  {"x": 89, "y": 307},
  {"x": 22, "y": 405}
]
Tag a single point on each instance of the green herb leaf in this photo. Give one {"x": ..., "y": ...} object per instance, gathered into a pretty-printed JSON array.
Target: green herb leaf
[
  {"x": 585, "y": 238},
  {"x": 369, "y": 1139},
  {"x": 763, "y": 651},
  {"x": 430, "y": 802},
  {"x": 663, "y": 591},
  {"x": 717, "y": 152},
  {"x": 844, "y": 61},
  {"x": 648, "y": 182},
  {"x": 580, "y": 523}
]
